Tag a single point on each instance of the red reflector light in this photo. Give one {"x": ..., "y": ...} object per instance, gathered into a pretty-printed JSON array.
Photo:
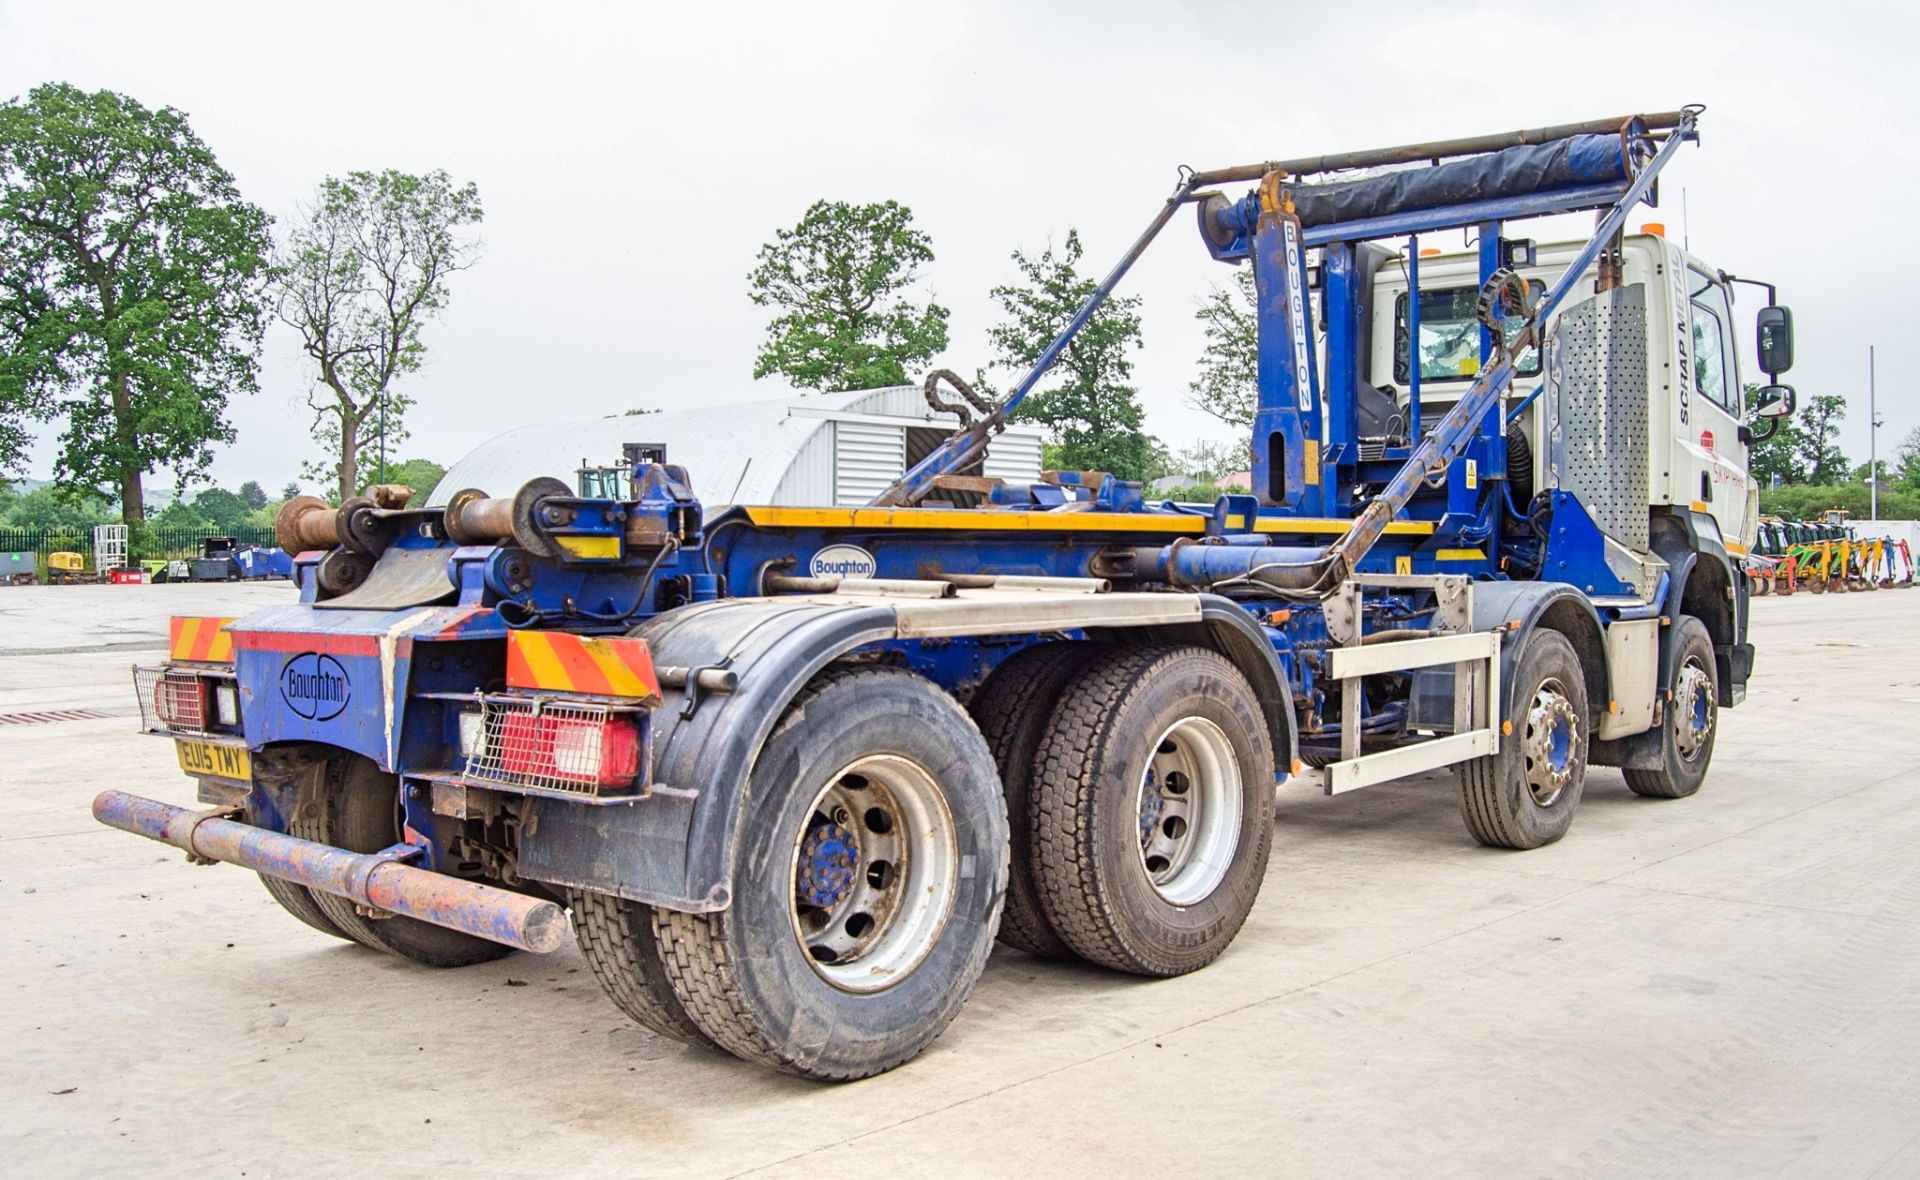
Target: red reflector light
[
  {"x": 180, "y": 700},
  {"x": 599, "y": 751}
]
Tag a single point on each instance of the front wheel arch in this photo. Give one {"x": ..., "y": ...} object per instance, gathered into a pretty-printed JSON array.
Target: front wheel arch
[{"x": 1519, "y": 608}]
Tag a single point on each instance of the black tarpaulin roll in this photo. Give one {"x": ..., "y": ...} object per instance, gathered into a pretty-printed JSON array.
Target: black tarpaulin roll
[{"x": 1517, "y": 171}]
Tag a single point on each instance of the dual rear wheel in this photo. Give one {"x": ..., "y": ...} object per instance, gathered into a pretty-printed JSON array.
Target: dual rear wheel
[
  {"x": 876, "y": 855},
  {"x": 1149, "y": 809},
  {"x": 1139, "y": 786}
]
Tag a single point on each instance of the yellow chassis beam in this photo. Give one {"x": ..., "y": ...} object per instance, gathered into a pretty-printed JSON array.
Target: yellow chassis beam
[{"x": 987, "y": 520}]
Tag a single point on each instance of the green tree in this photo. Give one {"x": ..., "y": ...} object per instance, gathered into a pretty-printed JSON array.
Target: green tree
[
  {"x": 180, "y": 516},
  {"x": 1906, "y": 460},
  {"x": 363, "y": 272},
  {"x": 837, "y": 279},
  {"x": 419, "y": 474},
  {"x": 1085, "y": 402},
  {"x": 1228, "y": 386},
  {"x": 290, "y": 491},
  {"x": 47, "y": 508},
  {"x": 1885, "y": 475},
  {"x": 220, "y": 508},
  {"x": 130, "y": 284},
  {"x": 1207, "y": 460},
  {"x": 1819, "y": 451},
  {"x": 254, "y": 496}
]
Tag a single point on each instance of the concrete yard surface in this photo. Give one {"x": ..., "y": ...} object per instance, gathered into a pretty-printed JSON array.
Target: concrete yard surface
[{"x": 1727, "y": 985}]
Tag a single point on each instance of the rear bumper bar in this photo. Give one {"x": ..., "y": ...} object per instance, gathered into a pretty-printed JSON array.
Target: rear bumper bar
[{"x": 369, "y": 879}]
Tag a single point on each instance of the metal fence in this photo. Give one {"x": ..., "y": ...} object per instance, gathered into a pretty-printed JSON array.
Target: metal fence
[{"x": 18, "y": 546}]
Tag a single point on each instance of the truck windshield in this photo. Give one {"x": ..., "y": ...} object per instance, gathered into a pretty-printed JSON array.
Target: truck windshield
[{"x": 1450, "y": 335}]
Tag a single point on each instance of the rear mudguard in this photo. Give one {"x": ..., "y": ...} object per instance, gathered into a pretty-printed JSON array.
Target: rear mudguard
[
  {"x": 1234, "y": 633},
  {"x": 676, "y": 849}
]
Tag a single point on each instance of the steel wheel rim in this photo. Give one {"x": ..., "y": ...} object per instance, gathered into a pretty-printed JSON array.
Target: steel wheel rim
[
  {"x": 1547, "y": 746},
  {"x": 1694, "y": 709},
  {"x": 1188, "y": 804},
  {"x": 875, "y": 872}
]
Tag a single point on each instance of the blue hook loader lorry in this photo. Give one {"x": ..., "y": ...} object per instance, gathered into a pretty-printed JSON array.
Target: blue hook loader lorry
[{"x": 786, "y": 772}]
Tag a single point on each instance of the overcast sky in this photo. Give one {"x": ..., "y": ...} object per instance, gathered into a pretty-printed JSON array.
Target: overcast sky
[{"x": 632, "y": 158}]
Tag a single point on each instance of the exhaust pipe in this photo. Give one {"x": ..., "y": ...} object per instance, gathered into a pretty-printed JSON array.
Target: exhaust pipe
[{"x": 368, "y": 879}]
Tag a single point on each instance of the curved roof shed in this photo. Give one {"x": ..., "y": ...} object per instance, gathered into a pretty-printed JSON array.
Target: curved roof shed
[{"x": 829, "y": 450}]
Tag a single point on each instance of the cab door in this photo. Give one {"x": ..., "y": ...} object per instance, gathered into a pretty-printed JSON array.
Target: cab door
[{"x": 1710, "y": 461}]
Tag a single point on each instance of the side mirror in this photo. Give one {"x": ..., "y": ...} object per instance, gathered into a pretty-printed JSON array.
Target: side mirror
[
  {"x": 1771, "y": 405},
  {"x": 1775, "y": 401},
  {"x": 1774, "y": 329}
]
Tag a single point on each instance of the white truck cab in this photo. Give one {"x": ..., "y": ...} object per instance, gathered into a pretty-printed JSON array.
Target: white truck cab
[{"x": 1694, "y": 402}]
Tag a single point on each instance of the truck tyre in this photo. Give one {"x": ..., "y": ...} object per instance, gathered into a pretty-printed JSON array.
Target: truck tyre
[
  {"x": 1693, "y": 708},
  {"x": 1525, "y": 795},
  {"x": 357, "y": 808},
  {"x": 871, "y": 869},
  {"x": 299, "y": 901},
  {"x": 616, "y": 937},
  {"x": 1153, "y": 809},
  {"x": 1012, "y": 709}
]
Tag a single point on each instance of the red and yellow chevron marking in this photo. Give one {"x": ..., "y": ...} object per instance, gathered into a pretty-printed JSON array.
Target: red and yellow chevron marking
[
  {"x": 574, "y": 663},
  {"x": 202, "y": 640}
]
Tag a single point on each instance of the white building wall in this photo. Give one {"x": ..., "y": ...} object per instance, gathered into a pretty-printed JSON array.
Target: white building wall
[
  {"x": 835, "y": 449},
  {"x": 867, "y": 458},
  {"x": 1013, "y": 456},
  {"x": 809, "y": 478}
]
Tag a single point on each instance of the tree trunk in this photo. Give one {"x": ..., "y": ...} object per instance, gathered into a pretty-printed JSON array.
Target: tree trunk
[
  {"x": 349, "y": 453},
  {"x": 133, "y": 497},
  {"x": 133, "y": 500}
]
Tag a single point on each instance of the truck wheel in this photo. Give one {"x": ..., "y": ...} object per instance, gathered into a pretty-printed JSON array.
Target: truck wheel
[
  {"x": 358, "y": 808},
  {"x": 1693, "y": 708},
  {"x": 299, "y": 901},
  {"x": 1012, "y": 709},
  {"x": 1153, "y": 792},
  {"x": 1525, "y": 795},
  {"x": 616, "y": 936},
  {"x": 872, "y": 864}
]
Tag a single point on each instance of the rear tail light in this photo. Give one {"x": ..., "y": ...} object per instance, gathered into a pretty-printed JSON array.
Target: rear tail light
[
  {"x": 180, "y": 700},
  {"x": 600, "y": 751},
  {"x": 558, "y": 745}
]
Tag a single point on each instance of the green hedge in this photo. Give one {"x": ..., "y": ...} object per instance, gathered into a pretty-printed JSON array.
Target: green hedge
[{"x": 1797, "y": 502}]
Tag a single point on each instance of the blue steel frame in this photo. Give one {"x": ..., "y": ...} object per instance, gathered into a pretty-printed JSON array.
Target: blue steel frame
[{"x": 1307, "y": 463}]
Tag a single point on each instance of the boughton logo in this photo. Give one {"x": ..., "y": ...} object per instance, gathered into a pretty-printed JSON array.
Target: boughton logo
[
  {"x": 315, "y": 686},
  {"x": 842, "y": 561}
]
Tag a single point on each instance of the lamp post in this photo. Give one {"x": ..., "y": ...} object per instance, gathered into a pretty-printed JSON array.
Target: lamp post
[{"x": 1873, "y": 440}]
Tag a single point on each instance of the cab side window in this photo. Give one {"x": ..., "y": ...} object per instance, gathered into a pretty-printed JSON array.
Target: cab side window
[{"x": 1713, "y": 374}]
